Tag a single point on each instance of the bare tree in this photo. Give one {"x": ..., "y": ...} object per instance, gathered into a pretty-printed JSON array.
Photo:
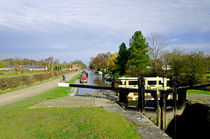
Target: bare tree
[
  {"x": 157, "y": 42},
  {"x": 3, "y": 56},
  {"x": 165, "y": 60}
]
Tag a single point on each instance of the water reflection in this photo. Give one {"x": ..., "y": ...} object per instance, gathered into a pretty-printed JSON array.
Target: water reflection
[{"x": 93, "y": 79}]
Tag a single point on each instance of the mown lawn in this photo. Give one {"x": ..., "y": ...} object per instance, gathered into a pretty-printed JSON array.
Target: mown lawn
[{"x": 17, "y": 120}]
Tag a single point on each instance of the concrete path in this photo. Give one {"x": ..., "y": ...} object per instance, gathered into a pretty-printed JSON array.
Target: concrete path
[{"x": 31, "y": 91}]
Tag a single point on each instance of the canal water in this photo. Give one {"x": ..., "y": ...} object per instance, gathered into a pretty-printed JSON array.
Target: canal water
[
  {"x": 94, "y": 79},
  {"x": 194, "y": 123}
]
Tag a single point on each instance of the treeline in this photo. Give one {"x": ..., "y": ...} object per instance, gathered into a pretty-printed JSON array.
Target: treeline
[
  {"x": 50, "y": 62},
  {"x": 147, "y": 57}
]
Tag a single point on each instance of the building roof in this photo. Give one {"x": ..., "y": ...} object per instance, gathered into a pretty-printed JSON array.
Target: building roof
[{"x": 34, "y": 67}]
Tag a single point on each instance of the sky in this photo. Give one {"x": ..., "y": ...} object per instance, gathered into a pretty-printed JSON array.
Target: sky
[{"x": 80, "y": 29}]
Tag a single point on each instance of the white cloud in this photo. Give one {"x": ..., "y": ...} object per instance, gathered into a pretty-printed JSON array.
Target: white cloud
[
  {"x": 173, "y": 40},
  {"x": 89, "y": 27},
  {"x": 109, "y": 16},
  {"x": 202, "y": 46}
]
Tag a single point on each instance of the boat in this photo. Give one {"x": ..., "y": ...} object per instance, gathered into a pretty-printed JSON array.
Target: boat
[
  {"x": 84, "y": 77},
  {"x": 107, "y": 77},
  {"x": 100, "y": 72}
]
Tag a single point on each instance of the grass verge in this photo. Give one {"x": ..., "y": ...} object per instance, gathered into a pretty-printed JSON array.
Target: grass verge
[
  {"x": 18, "y": 121},
  {"x": 206, "y": 74},
  {"x": 198, "y": 92}
]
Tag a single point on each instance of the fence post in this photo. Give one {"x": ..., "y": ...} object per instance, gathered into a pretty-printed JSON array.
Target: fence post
[{"x": 141, "y": 96}]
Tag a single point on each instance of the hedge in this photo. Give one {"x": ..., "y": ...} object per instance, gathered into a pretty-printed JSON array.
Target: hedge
[{"x": 19, "y": 81}]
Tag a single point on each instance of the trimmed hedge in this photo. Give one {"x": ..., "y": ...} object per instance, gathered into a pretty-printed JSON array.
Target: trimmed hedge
[{"x": 19, "y": 81}]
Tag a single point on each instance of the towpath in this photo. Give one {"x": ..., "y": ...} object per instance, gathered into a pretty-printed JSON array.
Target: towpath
[
  {"x": 199, "y": 98},
  {"x": 31, "y": 91}
]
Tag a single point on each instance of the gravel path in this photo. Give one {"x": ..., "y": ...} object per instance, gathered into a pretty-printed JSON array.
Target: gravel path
[
  {"x": 90, "y": 100},
  {"x": 31, "y": 91}
]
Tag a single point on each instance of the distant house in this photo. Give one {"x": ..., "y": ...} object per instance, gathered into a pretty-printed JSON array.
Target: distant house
[
  {"x": 25, "y": 67},
  {"x": 10, "y": 67},
  {"x": 75, "y": 67},
  {"x": 167, "y": 67},
  {"x": 34, "y": 68}
]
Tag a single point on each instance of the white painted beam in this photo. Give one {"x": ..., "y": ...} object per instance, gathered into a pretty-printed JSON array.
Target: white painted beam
[{"x": 63, "y": 84}]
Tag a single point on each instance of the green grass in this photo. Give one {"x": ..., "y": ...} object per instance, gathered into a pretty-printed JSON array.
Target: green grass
[
  {"x": 199, "y": 92},
  {"x": 18, "y": 121},
  {"x": 118, "y": 76},
  {"x": 206, "y": 74},
  {"x": 65, "y": 123}
]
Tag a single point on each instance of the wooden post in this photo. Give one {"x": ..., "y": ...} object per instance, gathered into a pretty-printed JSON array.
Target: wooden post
[
  {"x": 192, "y": 81},
  {"x": 120, "y": 96},
  {"x": 158, "y": 111},
  {"x": 157, "y": 83},
  {"x": 163, "y": 109},
  {"x": 141, "y": 93},
  {"x": 146, "y": 83},
  {"x": 182, "y": 97},
  {"x": 113, "y": 80},
  {"x": 123, "y": 101},
  {"x": 164, "y": 83},
  {"x": 127, "y": 83},
  {"x": 123, "y": 82},
  {"x": 175, "y": 86}
]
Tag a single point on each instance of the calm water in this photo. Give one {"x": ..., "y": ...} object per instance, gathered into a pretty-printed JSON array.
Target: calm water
[{"x": 93, "y": 79}]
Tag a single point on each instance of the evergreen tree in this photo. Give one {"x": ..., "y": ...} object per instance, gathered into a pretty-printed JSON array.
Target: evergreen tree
[
  {"x": 138, "y": 59},
  {"x": 122, "y": 59}
]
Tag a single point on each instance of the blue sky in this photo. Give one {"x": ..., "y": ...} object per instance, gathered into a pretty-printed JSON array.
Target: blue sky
[{"x": 80, "y": 29}]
